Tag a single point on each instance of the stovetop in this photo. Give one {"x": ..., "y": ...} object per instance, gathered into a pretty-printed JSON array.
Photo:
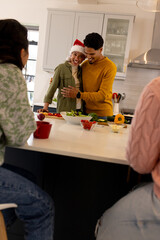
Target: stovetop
[{"x": 128, "y": 114}]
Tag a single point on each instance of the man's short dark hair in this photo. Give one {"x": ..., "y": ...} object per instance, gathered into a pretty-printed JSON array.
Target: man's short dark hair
[{"x": 93, "y": 40}]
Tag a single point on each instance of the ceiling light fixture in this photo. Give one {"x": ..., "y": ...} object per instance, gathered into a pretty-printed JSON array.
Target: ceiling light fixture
[{"x": 149, "y": 5}]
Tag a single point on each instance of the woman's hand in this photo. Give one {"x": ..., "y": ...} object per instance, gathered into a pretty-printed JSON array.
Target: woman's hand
[
  {"x": 42, "y": 110},
  {"x": 69, "y": 92}
]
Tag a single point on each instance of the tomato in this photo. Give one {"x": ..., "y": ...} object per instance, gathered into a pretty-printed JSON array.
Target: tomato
[
  {"x": 50, "y": 114},
  {"x": 57, "y": 115},
  {"x": 87, "y": 124}
]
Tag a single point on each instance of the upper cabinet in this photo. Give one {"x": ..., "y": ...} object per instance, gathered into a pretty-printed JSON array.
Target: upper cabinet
[
  {"x": 64, "y": 27},
  {"x": 116, "y": 33},
  {"x": 59, "y": 35},
  {"x": 86, "y": 23}
]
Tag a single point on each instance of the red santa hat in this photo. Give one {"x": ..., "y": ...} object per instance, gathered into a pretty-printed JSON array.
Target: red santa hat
[{"x": 78, "y": 46}]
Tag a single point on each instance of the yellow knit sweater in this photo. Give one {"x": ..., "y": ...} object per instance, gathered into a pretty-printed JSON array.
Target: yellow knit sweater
[{"x": 97, "y": 86}]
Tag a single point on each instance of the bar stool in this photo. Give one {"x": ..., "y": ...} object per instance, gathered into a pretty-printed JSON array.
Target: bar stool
[{"x": 3, "y": 233}]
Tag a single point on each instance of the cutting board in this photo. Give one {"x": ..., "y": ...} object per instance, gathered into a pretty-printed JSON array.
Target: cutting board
[
  {"x": 103, "y": 123},
  {"x": 54, "y": 117}
]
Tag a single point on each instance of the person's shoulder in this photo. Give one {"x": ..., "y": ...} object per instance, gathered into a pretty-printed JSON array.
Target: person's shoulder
[
  {"x": 11, "y": 71},
  {"x": 9, "y": 67},
  {"x": 109, "y": 62},
  {"x": 59, "y": 66},
  {"x": 151, "y": 90},
  {"x": 154, "y": 83},
  {"x": 84, "y": 63},
  {"x": 109, "y": 65},
  {"x": 154, "y": 86},
  {"x": 63, "y": 66}
]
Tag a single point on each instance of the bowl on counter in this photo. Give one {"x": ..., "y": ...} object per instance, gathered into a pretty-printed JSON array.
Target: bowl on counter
[
  {"x": 116, "y": 128},
  {"x": 87, "y": 125},
  {"x": 74, "y": 119}
]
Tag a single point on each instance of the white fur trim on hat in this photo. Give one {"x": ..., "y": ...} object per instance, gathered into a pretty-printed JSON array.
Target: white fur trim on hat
[{"x": 77, "y": 48}]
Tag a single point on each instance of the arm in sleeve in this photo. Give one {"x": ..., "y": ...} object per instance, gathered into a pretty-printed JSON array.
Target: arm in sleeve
[
  {"x": 105, "y": 91},
  {"x": 143, "y": 147},
  {"x": 53, "y": 87},
  {"x": 17, "y": 120}
]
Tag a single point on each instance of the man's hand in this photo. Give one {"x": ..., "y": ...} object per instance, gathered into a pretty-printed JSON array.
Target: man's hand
[{"x": 69, "y": 92}]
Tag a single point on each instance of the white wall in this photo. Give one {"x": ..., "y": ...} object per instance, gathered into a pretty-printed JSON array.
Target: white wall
[{"x": 34, "y": 12}]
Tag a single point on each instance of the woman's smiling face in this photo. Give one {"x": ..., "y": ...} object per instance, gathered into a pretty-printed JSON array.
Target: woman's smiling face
[{"x": 76, "y": 58}]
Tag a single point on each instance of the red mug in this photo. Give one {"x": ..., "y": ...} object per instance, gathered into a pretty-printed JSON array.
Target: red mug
[{"x": 43, "y": 129}]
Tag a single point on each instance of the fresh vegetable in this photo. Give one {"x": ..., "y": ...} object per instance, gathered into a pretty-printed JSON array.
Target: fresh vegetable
[
  {"x": 94, "y": 116},
  {"x": 55, "y": 114},
  {"x": 51, "y": 114},
  {"x": 119, "y": 119},
  {"x": 54, "y": 100},
  {"x": 41, "y": 116},
  {"x": 75, "y": 114},
  {"x": 44, "y": 113},
  {"x": 110, "y": 118},
  {"x": 126, "y": 121},
  {"x": 87, "y": 125},
  {"x": 101, "y": 120}
]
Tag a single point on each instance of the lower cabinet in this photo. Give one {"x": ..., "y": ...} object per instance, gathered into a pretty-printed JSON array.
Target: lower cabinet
[{"x": 81, "y": 189}]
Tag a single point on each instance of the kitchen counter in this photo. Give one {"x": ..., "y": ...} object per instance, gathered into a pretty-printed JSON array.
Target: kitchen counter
[
  {"x": 84, "y": 171},
  {"x": 71, "y": 140},
  {"x": 52, "y": 107}
]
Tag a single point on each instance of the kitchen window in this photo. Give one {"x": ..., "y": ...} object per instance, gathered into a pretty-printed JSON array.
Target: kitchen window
[{"x": 29, "y": 70}]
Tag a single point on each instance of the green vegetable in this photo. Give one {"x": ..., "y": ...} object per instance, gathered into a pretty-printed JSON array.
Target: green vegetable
[
  {"x": 94, "y": 116},
  {"x": 125, "y": 121},
  {"x": 102, "y": 120},
  {"x": 54, "y": 100},
  {"x": 110, "y": 118},
  {"x": 75, "y": 114}
]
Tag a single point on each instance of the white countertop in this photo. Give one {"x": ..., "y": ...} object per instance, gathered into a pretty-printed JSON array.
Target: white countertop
[
  {"x": 71, "y": 140},
  {"x": 53, "y": 104}
]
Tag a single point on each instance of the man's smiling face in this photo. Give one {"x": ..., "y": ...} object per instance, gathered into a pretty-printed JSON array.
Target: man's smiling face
[{"x": 92, "y": 54}]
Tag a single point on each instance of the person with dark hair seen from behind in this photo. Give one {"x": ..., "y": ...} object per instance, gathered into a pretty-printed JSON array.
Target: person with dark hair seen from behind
[
  {"x": 98, "y": 73},
  {"x": 35, "y": 207}
]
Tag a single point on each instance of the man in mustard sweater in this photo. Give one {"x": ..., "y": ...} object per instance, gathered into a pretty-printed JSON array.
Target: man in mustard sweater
[{"x": 98, "y": 73}]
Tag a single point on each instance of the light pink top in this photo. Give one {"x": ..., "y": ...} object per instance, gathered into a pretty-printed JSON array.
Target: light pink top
[{"x": 143, "y": 149}]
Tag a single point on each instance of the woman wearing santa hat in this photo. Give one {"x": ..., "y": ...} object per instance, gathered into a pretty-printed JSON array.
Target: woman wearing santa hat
[{"x": 67, "y": 74}]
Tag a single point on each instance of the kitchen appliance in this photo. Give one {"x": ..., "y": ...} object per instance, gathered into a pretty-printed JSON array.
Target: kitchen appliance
[
  {"x": 128, "y": 114},
  {"x": 151, "y": 58}
]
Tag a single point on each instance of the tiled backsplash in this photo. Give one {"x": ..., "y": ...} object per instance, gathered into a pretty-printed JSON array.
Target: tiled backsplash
[{"x": 136, "y": 80}]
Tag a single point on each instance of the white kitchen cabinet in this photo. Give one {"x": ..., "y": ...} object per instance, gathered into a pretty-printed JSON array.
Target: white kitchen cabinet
[
  {"x": 87, "y": 23},
  {"x": 117, "y": 31},
  {"x": 64, "y": 27},
  {"x": 59, "y": 35}
]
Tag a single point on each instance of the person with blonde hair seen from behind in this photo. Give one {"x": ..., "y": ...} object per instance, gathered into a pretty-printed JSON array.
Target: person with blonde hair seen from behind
[
  {"x": 67, "y": 74},
  {"x": 137, "y": 215},
  {"x": 35, "y": 207}
]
